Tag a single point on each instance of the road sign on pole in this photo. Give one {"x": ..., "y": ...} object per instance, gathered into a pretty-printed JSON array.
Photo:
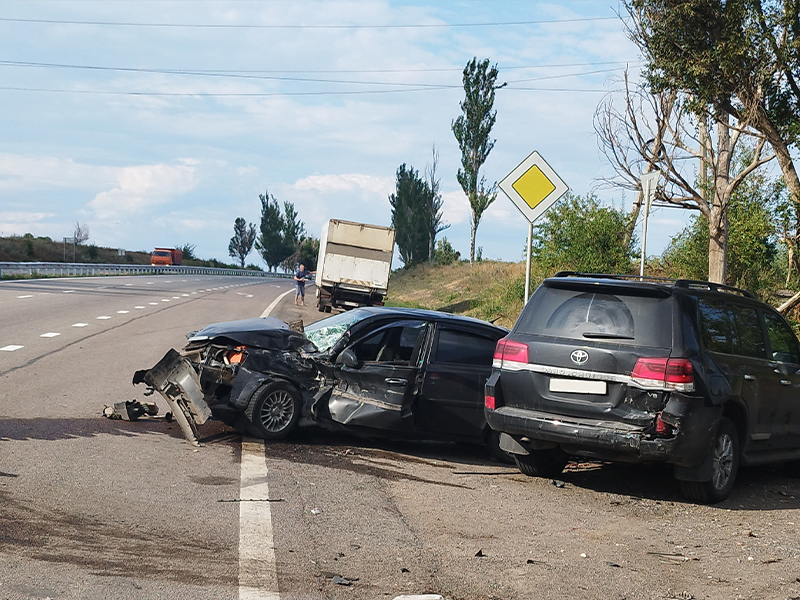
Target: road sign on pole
[
  {"x": 533, "y": 187},
  {"x": 649, "y": 185}
]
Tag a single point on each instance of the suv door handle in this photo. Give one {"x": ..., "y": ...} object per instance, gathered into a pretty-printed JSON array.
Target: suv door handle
[
  {"x": 393, "y": 381},
  {"x": 749, "y": 378},
  {"x": 785, "y": 382}
]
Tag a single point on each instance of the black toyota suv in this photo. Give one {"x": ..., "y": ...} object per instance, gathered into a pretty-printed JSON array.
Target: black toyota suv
[{"x": 697, "y": 375}]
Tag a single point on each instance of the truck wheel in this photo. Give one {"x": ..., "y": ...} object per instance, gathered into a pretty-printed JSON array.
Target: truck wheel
[
  {"x": 328, "y": 309},
  {"x": 542, "y": 463},
  {"x": 724, "y": 466},
  {"x": 274, "y": 411}
]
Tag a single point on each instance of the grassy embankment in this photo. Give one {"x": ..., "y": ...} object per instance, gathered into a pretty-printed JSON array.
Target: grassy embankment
[{"x": 489, "y": 290}]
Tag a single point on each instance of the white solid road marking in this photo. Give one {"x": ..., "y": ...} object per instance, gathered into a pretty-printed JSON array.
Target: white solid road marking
[
  {"x": 275, "y": 303},
  {"x": 11, "y": 348},
  {"x": 28, "y": 296},
  {"x": 103, "y": 317},
  {"x": 258, "y": 573},
  {"x": 50, "y": 334},
  {"x": 80, "y": 324},
  {"x": 123, "y": 312}
]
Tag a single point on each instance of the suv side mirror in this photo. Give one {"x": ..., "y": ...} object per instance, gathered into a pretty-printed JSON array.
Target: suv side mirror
[{"x": 348, "y": 358}]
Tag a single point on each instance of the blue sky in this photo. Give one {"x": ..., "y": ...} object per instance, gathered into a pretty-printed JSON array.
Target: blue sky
[{"x": 158, "y": 122}]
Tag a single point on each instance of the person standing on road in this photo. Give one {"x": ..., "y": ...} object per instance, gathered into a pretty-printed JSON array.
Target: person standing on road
[{"x": 300, "y": 279}]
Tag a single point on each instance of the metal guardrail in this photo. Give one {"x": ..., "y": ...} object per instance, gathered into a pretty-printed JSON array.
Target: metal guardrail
[{"x": 33, "y": 269}]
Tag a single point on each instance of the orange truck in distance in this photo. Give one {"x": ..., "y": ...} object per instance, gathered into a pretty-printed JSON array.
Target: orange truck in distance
[{"x": 165, "y": 257}]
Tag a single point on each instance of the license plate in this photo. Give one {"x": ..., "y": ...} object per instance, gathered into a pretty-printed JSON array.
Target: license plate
[{"x": 578, "y": 386}]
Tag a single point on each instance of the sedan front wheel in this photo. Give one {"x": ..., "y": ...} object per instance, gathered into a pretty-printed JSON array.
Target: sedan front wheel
[{"x": 274, "y": 411}]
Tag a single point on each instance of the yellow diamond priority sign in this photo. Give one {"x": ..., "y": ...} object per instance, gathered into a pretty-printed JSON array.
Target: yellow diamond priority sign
[{"x": 533, "y": 186}]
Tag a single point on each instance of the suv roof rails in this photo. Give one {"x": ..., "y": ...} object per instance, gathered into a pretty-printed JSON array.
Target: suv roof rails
[{"x": 689, "y": 284}]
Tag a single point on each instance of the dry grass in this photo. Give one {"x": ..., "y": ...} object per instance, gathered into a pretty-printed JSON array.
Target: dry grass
[{"x": 489, "y": 290}]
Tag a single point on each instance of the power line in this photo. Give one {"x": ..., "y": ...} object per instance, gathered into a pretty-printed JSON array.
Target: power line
[
  {"x": 268, "y": 94},
  {"x": 233, "y": 75},
  {"x": 335, "y": 27},
  {"x": 14, "y": 63}
]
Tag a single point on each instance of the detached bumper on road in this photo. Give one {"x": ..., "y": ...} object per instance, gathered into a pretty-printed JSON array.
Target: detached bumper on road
[{"x": 175, "y": 379}]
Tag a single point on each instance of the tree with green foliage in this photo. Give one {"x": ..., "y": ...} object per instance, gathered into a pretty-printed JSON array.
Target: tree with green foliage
[
  {"x": 187, "y": 250},
  {"x": 739, "y": 57},
  {"x": 472, "y": 130},
  {"x": 269, "y": 242},
  {"x": 579, "y": 234},
  {"x": 445, "y": 254},
  {"x": 308, "y": 253},
  {"x": 753, "y": 246},
  {"x": 434, "y": 204},
  {"x": 241, "y": 244},
  {"x": 410, "y": 216},
  {"x": 294, "y": 232}
]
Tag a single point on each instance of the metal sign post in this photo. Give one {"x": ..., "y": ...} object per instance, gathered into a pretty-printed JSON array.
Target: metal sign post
[
  {"x": 649, "y": 185},
  {"x": 533, "y": 187}
]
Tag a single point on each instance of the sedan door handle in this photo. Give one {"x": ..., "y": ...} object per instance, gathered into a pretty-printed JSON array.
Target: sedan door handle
[
  {"x": 749, "y": 378},
  {"x": 785, "y": 382},
  {"x": 393, "y": 381}
]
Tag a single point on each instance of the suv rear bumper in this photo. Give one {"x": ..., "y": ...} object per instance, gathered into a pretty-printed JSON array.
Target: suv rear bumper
[{"x": 610, "y": 440}]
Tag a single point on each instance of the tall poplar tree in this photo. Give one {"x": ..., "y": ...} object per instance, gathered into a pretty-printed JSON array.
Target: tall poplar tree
[{"x": 472, "y": 129}]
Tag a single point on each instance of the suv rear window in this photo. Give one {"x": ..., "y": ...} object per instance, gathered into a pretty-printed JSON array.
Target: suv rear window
[{"x": 622, "y": 317}]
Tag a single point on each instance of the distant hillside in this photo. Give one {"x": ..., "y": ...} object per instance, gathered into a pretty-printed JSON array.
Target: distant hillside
[
  {"x": 28, "y": 248},
  {"x": 489, "y": 290}
]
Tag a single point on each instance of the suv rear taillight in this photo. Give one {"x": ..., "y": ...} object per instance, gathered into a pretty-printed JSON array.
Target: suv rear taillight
[
  {"x": 662, "y": 372},
  {"x": 508, "y": 351}
]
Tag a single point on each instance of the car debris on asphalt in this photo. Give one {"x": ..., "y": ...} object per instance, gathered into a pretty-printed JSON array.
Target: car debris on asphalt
[{"x": 130, "y": 410}]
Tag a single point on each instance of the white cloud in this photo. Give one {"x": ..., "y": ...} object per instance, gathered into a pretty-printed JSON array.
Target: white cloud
[
  {"x": 143, "y": 187},
  {"x": 346, "y": 182}
]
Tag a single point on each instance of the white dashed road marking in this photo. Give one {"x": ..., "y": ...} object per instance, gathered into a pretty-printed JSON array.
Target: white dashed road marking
[
  {"x": 140, "y": 307},
  {"x": 176, "y": 297},
  {"x": 50, "y": 334},
  {"x": 165, "y": 299},
  {"x": 69, "y": 291},
  {"x": 123, "y": 312},
  {"x": 28, "y": 296},
  {"x": 10, "y": 348},
  {"x": 80, "y": 324},
  {"x": 103, "y": 317}
]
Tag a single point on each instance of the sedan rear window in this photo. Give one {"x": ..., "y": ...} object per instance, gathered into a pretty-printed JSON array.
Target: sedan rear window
[{"x": 621, "y": 317}]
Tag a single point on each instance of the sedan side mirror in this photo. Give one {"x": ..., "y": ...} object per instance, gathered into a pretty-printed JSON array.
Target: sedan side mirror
[{"x": 348, "y": 358}]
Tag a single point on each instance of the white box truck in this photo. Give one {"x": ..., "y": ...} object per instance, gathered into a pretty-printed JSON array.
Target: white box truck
[{"x": 353, "y": 264}]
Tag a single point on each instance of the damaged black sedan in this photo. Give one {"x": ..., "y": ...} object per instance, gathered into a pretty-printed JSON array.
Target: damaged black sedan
[{"x": 377, "y": 372}]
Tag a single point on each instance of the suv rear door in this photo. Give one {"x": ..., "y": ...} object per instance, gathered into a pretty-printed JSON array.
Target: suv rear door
[
  {"x": 733, "y": 342},
  {"x": 583, "y": 341}
]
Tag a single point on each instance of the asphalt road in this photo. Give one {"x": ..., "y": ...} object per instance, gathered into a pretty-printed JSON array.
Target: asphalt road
[{"x": 92, "y": 508}]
